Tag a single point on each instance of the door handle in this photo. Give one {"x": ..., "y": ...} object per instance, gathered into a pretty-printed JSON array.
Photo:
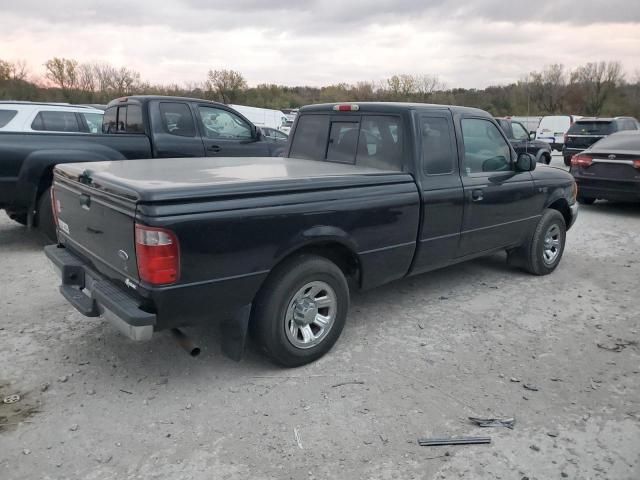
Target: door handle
[
  {"x": 214, "y": 148},
  {"x": 477, "y": 195}
]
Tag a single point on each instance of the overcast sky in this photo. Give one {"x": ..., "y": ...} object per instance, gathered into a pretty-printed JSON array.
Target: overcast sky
[{"x": 473, "y": 43}]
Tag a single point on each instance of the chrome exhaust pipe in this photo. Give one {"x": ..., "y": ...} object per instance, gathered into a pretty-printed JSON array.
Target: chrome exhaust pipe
[{"x": 185, "y": 342}]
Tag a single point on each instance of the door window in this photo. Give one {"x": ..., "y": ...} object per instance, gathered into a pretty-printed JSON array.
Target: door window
[
  {"x": 6, "y": 116},
  {"x": 177, "y": 119},
  {"x": 485, "y": 149},
  {"x": 519, "y": 132},
  {"x": 310, "y": 139},
  {"x": 56, "y": 122},
  {"x": 438, "y": 146},
  {"x": 225, "y": 125},
  {"x": 94, "y": 121},
  {"x": 343, "y": 141}
]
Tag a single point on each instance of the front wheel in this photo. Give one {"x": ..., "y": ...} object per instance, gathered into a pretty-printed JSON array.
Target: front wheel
[
  {"x": 567, "y": 161},
  {"x": 301, "y": 310},
  {"x": 542, "y": 253}
]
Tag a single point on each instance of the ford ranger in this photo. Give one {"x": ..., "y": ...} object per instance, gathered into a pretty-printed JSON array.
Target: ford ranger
[{"x": 368, "y": 193}]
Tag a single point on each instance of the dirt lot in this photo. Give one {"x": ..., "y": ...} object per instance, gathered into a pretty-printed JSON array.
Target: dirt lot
[{"x": 421, "y": 355}]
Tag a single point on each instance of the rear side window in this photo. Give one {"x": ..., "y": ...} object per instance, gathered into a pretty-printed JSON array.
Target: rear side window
[
  {"x": 591, "y": 128},
  {"x": 343, "y": 141},
  {"x": 310, "y": 139},
  {"x": 109, "y": 122},
  {"x": 177, "y": 119},
  {"x": 56, "y": 122},
  {"x": 6, "y": 116},
  {"x": 134, "y": 119},
  {"x": 438, "y": 145},
  {"x": 380, "y": 143}
]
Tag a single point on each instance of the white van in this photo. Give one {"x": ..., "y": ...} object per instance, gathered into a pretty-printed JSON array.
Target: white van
[
  {"x": 264, "y": 117},
  {"x": 553, "y": 128}
]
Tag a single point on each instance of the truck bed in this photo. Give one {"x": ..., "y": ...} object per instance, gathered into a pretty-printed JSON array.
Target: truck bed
[{"x": 168, "y": 179}]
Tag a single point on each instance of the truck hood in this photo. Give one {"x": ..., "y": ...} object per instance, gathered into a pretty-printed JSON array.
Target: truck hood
[{"x": 167, "y": 179}]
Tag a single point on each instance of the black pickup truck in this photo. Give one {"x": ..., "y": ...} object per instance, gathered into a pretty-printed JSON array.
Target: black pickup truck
[
  {"x": 136, "y": 127},
  {"x": 524, "y": 142},
  {"x": 369, "y": 193}
]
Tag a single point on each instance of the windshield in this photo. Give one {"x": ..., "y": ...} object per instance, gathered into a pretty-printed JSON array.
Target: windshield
[{"x": 591, "y": 128}]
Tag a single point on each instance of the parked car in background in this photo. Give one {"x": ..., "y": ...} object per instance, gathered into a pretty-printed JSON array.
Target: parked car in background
[
  {"x": 523, "y": 141},
  {"x": 135, "y": 127},
  {"x": 588, "y": 130},
  {"x": 530, "y": 123},
  {"x": 552, "y": 129},
  {"x": 49, "y": 117},
  {"x": 369, "y": 193},
  {"x": 264, "y": 117},
  {"x": 274, "y": 135},
  {"x": 609, "y": 169}
]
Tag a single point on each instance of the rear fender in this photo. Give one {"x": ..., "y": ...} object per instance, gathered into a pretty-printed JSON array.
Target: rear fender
[{"x": 317, "y": 235}]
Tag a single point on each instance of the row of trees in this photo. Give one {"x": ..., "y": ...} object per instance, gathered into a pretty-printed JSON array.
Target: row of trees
[{"x": 597, "y": 88}]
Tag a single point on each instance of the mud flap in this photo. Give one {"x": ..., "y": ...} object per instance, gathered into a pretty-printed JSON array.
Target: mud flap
[{"x": 233, "y": 333}]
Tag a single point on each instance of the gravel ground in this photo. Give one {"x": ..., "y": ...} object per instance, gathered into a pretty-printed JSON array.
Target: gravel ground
[{"x": 415, "y": 360}]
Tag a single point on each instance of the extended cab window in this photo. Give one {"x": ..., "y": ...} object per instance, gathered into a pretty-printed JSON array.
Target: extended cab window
[
  {"x": 133, "y": 122},
  {"x": 310, "y": 139},
  {"x": 6, "y": 116},
  {"x": 56, "y": 122},
  {"x": 438, "y": 145},
  {"x": 380, "y": 143},
  {"x": 177, "y": 119},
  {"x": 485, "y": 149},
  {"x": 222, "y": 124}
]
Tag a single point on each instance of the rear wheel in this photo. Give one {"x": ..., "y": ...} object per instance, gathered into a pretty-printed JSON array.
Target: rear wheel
[
  {"x": 44, "y": 216},
  {"x": 301, "y": 310},
  {"x": 586, "y": 200},
  {"x": 567, "y": 161},
  {"x": 543, "y": 252},
  {"x": 20, "y": 218}
]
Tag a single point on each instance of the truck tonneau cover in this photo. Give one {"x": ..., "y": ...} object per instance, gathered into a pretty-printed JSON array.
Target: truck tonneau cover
[{"x": 168, "y": 179}]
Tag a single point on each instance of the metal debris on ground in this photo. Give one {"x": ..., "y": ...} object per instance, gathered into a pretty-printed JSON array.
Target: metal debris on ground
[
  {"x": 297, "y": 436},
  {"x": 433, "y": 442},
  {"x": 11, "y": 399},
  {"x": 494, "y": 422},
  {"x": 531, "y": 387},
  {"x": 618, "y": 345},
  {"x": 353, "y": 382}
]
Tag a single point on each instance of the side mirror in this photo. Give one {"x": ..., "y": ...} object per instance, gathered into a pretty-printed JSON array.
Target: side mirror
[
  {"x": 258, "y": 135},
  {"x": 532, "y": 135},
  {"x": 525, "y": 163}
]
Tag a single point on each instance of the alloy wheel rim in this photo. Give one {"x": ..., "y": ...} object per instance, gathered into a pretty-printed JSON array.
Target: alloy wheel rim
[
  {"x": 310, "y": 314},
  {"x": 552, "y": 244}
]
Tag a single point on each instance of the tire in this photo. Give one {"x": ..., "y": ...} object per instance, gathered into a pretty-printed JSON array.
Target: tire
[
  {"x": 20, "y": 218},
  {"x": 547, "y": 158},
  {"x": 567, "y": 161},
  {"x": 291, "y": 289},
  {"x": 44, "y": 216},
  {"x": 534, "y": 257},
  {"x": 586, "y": 200}
]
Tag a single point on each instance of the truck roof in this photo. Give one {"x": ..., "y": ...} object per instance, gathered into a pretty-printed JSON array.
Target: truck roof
[
  {"x": 393, "y": 107},
  {"x": 148, "y": 98}
]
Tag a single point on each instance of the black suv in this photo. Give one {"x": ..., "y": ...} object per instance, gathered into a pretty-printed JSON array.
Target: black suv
[
  {"x": 523, "y": 142},
  {"x": 588, "y": 130}
]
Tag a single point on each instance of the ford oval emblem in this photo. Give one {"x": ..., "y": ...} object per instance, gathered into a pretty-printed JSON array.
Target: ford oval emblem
[
  {"x": 123, "y": 255},
  {"x": 612, "y": 157}
]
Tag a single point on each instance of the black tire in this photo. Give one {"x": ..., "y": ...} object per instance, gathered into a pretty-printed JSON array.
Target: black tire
[
  {"x": 20, "y": 218},
  {"x": 586, "y": 200},
  {"x": 44, "y": 216},
  {"x": 547, "y": 158},
  {"x": 533, "y": 257},
  {"x": 567, "y": 161},
  {"x": 269, "y": 323}
]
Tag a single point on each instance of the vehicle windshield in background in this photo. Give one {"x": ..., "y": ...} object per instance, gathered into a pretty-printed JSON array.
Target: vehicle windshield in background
[{"x": 591, "y": 128}]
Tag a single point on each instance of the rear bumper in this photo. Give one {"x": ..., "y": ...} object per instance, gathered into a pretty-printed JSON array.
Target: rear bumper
[
  {"x": 94, "y": 295},
  {"x": 623, "y": 192}
]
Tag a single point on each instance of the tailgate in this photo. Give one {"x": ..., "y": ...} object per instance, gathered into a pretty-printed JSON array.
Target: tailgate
[
  {"x": 581, "y": 141},
  {"x": 97, "y": 225}
]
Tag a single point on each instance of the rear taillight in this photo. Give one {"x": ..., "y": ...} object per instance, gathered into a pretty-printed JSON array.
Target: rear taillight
[
  {"x": 56, "y": 208},
  {"x": 581, "y": 160},
  {"x": 158, "y": 255},
  {"x": 636, "y": 164}
]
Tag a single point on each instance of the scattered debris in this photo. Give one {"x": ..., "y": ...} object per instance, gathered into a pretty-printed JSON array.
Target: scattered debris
[
  {"x": 26, "y": 451},
  {"x": 74, "y": 427},
  {"x": 535, "y": 448},
  {"x": 555, "y": 379},
  {"x": 297, "y": 436},
  {"x": 44, "y": 387},
  {"x": 530, "y": 386},
  {"x": 63, "y": 378},
  {"x": 383, "y": 439},
  {"x": 353, "y": 382},
  {"x": 494, "y": 422},
  {"x": 126, "y": 391},
  {"x": 553, "y": 434},
  {"x": 91, "y": 392},
  {"x": 618, "y": 345},
  {"x": 514, "y": 380},
  {"x": 432, "y": 442},
  {"x": 15, "y": 398}
]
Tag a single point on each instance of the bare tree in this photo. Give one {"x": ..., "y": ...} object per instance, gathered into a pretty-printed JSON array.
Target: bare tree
[
  {"x": 87, "y": 79},
  {"x": 5, "y": 70},
  {"x": 597, "y": 81},
  {"x": 63, "y": 72},
  {"x": 426, "y": 85},
  {"x": 125, "y": 81},
  {"x": 226, "y": 85},
  {"x": 104, "y": 76},
  {"x": 548, "y": 88}
]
